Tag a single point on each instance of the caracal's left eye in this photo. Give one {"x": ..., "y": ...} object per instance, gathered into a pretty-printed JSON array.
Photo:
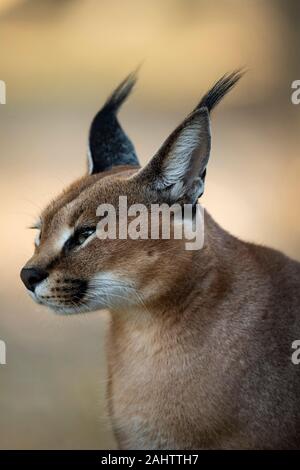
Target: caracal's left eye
[
  {"x": 78, "y": 239},
  {"x": 84, "y": 234}
]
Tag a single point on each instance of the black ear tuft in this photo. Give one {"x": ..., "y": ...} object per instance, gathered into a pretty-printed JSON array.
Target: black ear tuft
[
  {"x": 220, "y": 89},
  {"x": 108, "y": 144}
]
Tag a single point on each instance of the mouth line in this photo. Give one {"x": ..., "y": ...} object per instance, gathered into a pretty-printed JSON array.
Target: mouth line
[
  {"x": 62, "y": 296},
  {"x": 71, "y": 303}
]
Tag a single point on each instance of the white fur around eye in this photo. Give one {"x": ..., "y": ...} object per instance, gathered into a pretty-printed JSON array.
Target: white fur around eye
[
  {"x": 64, "y": 234},
  {"x": 37, "y": 239}
]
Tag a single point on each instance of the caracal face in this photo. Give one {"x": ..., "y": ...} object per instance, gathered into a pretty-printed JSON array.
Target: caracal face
[{"x": 83, "y": 272}]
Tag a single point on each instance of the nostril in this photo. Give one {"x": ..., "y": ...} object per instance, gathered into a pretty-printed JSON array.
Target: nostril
[{"x": 32, "y": 277}]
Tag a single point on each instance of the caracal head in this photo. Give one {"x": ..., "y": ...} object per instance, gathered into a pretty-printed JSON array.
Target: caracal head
[{"x": 74, "y": 267}]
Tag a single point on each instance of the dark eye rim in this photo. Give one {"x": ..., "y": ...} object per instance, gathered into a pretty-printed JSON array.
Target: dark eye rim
[{"x": 74, "y": 242}]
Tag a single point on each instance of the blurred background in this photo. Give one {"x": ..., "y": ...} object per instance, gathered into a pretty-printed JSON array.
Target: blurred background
[{"x": 60, "y": 59}]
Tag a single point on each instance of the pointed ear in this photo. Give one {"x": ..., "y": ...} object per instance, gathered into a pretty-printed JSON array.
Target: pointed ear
[
  {"x": 177, "y": 171},
  {"x": 108, "y": 144}
]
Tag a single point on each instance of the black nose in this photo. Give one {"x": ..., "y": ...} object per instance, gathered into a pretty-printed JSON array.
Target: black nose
[{"x": 32, "y": 277}]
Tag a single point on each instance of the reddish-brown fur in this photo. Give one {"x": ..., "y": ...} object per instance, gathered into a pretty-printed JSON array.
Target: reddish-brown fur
[{"x": 199, "y": 350}]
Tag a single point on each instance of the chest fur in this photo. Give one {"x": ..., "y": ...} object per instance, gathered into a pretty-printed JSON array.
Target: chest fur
[{"x": 155, "y": 395}]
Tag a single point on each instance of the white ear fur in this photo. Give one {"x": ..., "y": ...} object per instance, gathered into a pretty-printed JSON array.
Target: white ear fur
[
  {"x": 180, "y": 154},
  {"x": 182, "y": 159},
  {"x": 188, "y": 155},
  {"x": 90, "y": 162}
]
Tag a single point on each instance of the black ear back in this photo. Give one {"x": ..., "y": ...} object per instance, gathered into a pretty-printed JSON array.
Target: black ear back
[{"x": 109, "y": 146}]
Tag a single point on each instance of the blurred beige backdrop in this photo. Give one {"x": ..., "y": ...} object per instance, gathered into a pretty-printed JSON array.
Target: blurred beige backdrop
[{"x": 60, "y": 59}]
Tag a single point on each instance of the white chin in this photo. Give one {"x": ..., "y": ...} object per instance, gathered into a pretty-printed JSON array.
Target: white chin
[
  {"x": 66, "y": 310},
  {"x": 33, "y": 296}
]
